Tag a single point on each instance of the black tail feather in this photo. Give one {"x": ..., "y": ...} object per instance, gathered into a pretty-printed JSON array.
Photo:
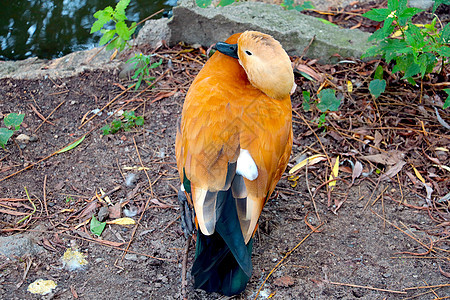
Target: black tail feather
[{"x": 223, "y": 260}]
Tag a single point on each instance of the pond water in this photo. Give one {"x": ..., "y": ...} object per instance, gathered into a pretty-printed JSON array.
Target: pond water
[{"x": 53, "y": 28}]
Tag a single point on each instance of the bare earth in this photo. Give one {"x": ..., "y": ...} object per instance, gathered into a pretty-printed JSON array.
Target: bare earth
[{"x": 376, "y": 240}]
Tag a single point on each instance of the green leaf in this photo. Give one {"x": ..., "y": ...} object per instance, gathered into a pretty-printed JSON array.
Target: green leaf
[
  {"x": 307, "y": 5},
  {"x": 378, "y": 72},
  {"x": 393, "y": 5},
  {"x": 139, "y": 121},
  {"x": 288, "y": 4},
  {"x": 409, "y": 12},
  {"x": 71, "y": 146},
  {"x": 445, "y": 34},
  {"x": 225, "y": 2},
  {"x": 122, "y": 30},
  {"x": 327, "y": 22},
  {"x": 156, "y": 64},
  {"x": 97, "y": 26},
  {"x": 116, "y": 125},
  {"x": 129, "y": 115},
  {"x": 203, "y": 3},
  {"x": 321, "y": 120},
  {"x": 377, "y": 86},
  {"x": 103, "y": 17},
  {"x": 96, "y": 226},
  {"x": 378, "y": 14},
  {"x": 5, "y": 134},
  {"x": 306, "y": 100},
  {"x": 426, "y": 62},
  {"x": 328, "y": 101},
  {"x": 444, "y": 51},
  {"x": 13, "y": 120},
  {"x": 412, "y": 70},
  {"x": 447, "y": 101},
  {"x": 121, "y": 7},
  {"x": 106, "y": 129},
  {"x": 132, "y": 28},
  {"x": 107, "y": 36}
]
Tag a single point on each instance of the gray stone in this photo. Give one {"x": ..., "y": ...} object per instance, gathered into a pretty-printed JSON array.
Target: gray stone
[
  {"x": 18, "y": 245},
  {"x": 422, "y": 4},
  {"x": 153, "y": 33},
  {"x": 294, "y": 30},
  {"x": 66, "y": 66}
]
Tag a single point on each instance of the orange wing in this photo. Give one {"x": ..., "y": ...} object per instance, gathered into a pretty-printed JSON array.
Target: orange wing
[{"x": 222, "y": 114}]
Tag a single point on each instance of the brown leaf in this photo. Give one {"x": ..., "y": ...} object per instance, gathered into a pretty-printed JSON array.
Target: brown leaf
[
  {"x": 88, "y": 210},
  {"x": 307, "y": 70},
  {"x": 378, "y": 139},
  {"x": 162, "y": 95},
  {"x": 284, "y": 281},
  {"x": 114, "y": 211},
  {"x": 390, "y": 158},
  {"x": 357, "y": 170},
  {"x": 392, "y": 171}
]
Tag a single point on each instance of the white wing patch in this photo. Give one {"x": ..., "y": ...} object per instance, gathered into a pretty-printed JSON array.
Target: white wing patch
[{"x": 246, "y": 166}]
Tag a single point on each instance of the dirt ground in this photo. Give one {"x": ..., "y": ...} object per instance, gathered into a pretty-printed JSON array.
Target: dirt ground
[{"x": 378, "y": 239}]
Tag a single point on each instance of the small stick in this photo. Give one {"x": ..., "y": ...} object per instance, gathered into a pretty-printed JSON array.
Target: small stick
[
  {"x": 45, "y": 195},
  {"x": 46, "y": 119},
  {"x": 184, "y": 268},
  {"x": 311, "y": 194},
  {"x": 373, "y": 192},
  {"x": 25, "y": 273},
  {"x": 40, "y": 115},
  {"x": 427, "y": 286},
  {"x": 366, "y": 287}
]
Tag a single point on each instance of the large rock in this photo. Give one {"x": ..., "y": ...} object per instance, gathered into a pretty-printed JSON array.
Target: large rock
[
  {"x": 66, "y": 66},
  {"x": 18, "y": 245},
  {"x": 192, "y": 24}
]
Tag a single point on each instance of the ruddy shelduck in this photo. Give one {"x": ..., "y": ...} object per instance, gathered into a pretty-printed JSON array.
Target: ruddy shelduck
[{"x": 233, "y": 143}]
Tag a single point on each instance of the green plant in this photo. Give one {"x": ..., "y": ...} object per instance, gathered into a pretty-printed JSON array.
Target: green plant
[
  {"x": 447, "y": 101},
  {"x": 416, "y": 50},
  {"x": 327, "y": 102},
  {"x": 142, "y": 65},
  {"x": 206, "y": 3},
  {"x": 12, "y": 121},
  {"x": 119, "y": 36},
  {"x": 289, "y": 5},
  {"x": 127, "y": 123}
]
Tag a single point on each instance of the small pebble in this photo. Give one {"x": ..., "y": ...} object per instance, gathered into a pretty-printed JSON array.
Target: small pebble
[
  {"x": 103, "y": 213},
  {"x": 132, "y": 257},
  {"x": 23, "y": 138}
]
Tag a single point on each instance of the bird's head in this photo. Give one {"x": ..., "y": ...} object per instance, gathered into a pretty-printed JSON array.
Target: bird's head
[{"x": 265, "y": 62}]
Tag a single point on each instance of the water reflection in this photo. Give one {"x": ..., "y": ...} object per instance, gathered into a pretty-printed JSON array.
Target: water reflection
[{"x": 52, "y": 28}]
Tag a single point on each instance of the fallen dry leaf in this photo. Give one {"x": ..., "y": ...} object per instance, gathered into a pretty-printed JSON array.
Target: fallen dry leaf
[
  {"x": 390, "y": 158},
  {"x": 393, "y": 170},
  {"x": 284, "y": 281},
  {"x": 357, "y": 170}
]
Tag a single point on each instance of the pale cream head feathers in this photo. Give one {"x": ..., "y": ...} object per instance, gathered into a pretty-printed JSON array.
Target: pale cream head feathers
[{"x": 267, "y": 65}]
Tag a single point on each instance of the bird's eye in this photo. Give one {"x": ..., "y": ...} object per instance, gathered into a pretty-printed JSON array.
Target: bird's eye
[{"x": 248, "y": 52}]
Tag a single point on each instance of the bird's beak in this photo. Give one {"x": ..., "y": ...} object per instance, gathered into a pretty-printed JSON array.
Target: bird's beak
[{"x": 227, "y": 49}]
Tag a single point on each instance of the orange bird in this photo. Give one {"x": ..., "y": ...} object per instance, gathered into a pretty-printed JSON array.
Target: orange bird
[{"x": 232, "y": 146}]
